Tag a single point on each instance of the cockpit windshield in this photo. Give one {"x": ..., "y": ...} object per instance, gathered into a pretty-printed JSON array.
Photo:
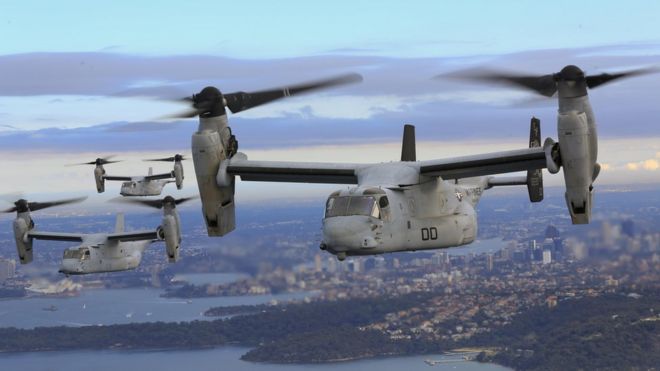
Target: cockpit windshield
[
  {"x": 81, "y": 253},
  {"x": 352, "y": 205}
]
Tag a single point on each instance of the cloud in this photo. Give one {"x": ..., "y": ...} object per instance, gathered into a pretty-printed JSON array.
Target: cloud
[{"x": 651, "y": 164}]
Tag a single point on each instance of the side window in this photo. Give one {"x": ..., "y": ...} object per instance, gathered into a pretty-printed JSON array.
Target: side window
[
  {"x": 384, "y": 205},
  {"x": 383, "y": 202}
]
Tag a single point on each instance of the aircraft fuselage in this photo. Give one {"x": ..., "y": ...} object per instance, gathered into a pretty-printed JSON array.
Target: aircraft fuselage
[
  {"x": 143, "y": 187},
  {"x": 100, "y": 255},
  {"x": 367, "y": 220}
]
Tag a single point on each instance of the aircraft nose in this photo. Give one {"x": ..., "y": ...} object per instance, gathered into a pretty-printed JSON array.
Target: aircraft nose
[{"x": 349, "y": 233}]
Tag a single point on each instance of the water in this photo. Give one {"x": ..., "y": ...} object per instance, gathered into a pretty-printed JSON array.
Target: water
[
  {"x": 145, "y": 305},
  {"x": 224, "y": 358},
  {"x": 114, "y": 306},
  {"x": 209, "y": 278}
]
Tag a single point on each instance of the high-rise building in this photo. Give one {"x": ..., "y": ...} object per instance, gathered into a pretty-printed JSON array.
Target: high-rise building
[
  {"x": 490, "y": 262},
  {"x": 547, "y": 256},
  {"x": 628, "y": 228},
  {"x": 331, "y": 264},
  {"x": 318, "y": 265},
  {"x": 7, "y": 269}
]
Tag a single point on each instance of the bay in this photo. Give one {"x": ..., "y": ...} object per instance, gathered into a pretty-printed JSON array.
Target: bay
[
  {"x": 115, "y": 306},
  {"x": 224, "y": 358}
]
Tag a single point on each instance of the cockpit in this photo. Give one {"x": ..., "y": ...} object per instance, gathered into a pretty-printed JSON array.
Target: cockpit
[
  {"x": 375, "y": 206},
  {"x": 81, "y": 253}
]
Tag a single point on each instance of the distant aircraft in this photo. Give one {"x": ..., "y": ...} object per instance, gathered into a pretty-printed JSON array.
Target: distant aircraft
[
  {"x": 148, "y": 185},
  {"x": 98, "y": 252}
]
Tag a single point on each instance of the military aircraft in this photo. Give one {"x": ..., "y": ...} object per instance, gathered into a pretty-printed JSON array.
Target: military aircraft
[
  {"x": 149, "y": 185},
  {"x": 407, "y": 205},
  {"x": 98, "y": 252}
]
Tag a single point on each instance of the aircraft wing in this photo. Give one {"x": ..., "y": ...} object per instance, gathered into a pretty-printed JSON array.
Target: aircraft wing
[
  {"x": 133, "y": 236},
  {"x": 159, "y": 176},
  {"x": 294, "y": 172},
  {"x": 123, "y": 178},
  {"x": 56, "y": 236},
  {"x": 485, "y": 164}
]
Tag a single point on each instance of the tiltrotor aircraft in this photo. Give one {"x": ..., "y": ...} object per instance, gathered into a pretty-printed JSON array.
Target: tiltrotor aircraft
[
  {"x": 98, "y": 252},
  {"x": 149, "y": 185},
  {"x": 407, "y": 205}
]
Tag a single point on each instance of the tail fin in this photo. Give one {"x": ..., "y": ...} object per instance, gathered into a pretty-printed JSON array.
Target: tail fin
[
  {"x": 408, "y": 152},
  {"x": 119, "y": 223},
  {"x": 535, "y": 177}
]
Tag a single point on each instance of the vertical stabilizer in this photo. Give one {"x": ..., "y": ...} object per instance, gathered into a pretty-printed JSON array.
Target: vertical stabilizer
[
  {"x": 535, "y": 177},
  {"x": 408, "y": 152},
  {"x": 119, "y": 223}
]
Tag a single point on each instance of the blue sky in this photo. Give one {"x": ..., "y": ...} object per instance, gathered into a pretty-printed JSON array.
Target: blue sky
[
  {"x": 267, "y": 29},
  {"x": 74, "y": 76}
]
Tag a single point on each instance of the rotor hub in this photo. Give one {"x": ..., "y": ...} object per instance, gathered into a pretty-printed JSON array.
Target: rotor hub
[
  {"x": 571, "y": 73},
  {"x": 22, "y": 206},
  {"x": 209, "y": 102}
]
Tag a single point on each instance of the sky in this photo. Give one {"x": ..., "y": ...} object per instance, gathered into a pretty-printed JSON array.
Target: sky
[{"x": 84, "y": 79}]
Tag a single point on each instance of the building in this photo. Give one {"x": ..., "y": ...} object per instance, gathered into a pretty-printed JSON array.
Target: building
[
  {"x": 318, "y": 265},
  {"x": 547, "y": 256},
  {"x": 7, "y": 269}
]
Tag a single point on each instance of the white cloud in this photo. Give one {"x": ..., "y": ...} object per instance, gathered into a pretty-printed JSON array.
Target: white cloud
[
  {"x": 651, "y": 164},
  {"x": 365, "y": 107},
  {"x": 35, "y": 172}
]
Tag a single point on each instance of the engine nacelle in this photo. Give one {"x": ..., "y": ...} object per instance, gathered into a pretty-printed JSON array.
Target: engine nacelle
[
  {"x": 23, "y": 243},
  {"x": 169, "y": 232},
  {"x": 99, "y": 172},
  {"x": 178, "y": 174},
  {"x": 577, "y": 163},
  {"x": 208, "y": 151}
]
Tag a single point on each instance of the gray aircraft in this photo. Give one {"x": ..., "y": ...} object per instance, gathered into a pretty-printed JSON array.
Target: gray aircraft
[
  {"x": 407, "y": 205},
  {"x": 98, "y": 252},
  {"x": 146, "y": 185}
]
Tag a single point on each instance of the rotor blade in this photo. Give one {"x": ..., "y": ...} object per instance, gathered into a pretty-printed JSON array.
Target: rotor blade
[
  {"x": 10, "y": 210},
  {"x": 104, "y": 161},
  {"x": 544, "y": 84},
  {"x": 157, "y": 203},
  {"x": 167, "y": 159},
  {"x": 34, "y": 206},
  {"x": 594, "y": 81},
  {"x": 183, "y": 115},
  {"x": 241, "y": 101},
  {"x": 185, "y": 199}
]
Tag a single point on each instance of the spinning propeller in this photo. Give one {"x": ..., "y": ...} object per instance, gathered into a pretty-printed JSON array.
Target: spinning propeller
[
  {"x": 98, "y": 161},
  {"x": 175, "y": 158},
  {"x": 158, "y": 203},
  {"x": 211, "y": 102},
  {"x": 546, "y": 85},
  {"x": 22, "y": 205}
]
